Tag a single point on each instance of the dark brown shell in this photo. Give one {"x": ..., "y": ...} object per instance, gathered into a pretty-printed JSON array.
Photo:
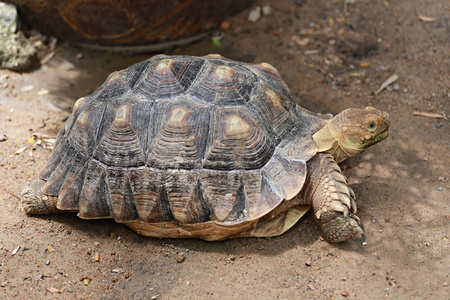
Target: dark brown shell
[
  {"x": 183, "y": 139},
  {"x": 128, "y": 22}
]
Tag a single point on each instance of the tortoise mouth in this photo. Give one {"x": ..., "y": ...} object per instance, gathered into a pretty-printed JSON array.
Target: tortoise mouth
[{"x": 381, "y": 136}]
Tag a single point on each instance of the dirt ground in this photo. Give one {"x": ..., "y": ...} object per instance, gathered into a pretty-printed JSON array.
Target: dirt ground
[{"x": 333, "y": 56}]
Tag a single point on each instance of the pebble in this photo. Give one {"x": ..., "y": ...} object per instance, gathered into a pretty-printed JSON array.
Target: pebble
[
  {"x": 344, "y": 293},
  {"x": 308, "y": 261},
  {"x": 3, "y": 137},
  {"x": 266, "y": 10},
  {"x": 364, "y": 243},
  {"x": 190, "y": 251},
  {"x": 225, "y": 25},
  {"x": 255, "y": 14},
  {"x": 47, "y": 262},
  {"x": 439, "y": 188},
  {"x": 396, "y": 87},
  {"x": 180, "y": 258},
  {"x": 15, "y": 250},
  {"x": 96, "y": 244}
]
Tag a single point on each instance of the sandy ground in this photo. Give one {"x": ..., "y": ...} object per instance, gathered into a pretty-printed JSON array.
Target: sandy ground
[{"x": 402, "y": 184}]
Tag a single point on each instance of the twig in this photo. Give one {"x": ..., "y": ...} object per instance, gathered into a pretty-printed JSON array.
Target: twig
[
  {"x": 11, "y": 193},
  {"x": 388, "y": 82},
  {"x": 429, "y": 115},
  {"x": 427, "y": 19}
]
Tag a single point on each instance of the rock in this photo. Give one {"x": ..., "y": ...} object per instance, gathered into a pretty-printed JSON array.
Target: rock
[
  {"x": 16, "y": 52},
  {"x": 344, "y": 293},
  {"x": 9, "y": 20},
  {"x": 255, "y": 14}
]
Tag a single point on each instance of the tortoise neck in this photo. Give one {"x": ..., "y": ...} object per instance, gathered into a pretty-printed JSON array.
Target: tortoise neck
[{"x": 326, "y": 142}]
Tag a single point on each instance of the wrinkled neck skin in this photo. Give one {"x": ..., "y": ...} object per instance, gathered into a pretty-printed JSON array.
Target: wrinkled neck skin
[{"x": 326, "y": 142}]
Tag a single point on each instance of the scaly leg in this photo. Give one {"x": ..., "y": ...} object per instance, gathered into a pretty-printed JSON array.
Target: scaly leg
[
  {"x": 35, "y": 202},
  {"x": 333, "y": 201}
]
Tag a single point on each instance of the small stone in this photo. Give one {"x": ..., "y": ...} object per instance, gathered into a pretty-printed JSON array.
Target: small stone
[
  {"x": 180, "y": 258},
  {"x": 439, "y": 188},
  {"x": 308, "y": 261},
  {"x": 255, "y": 14},
  {"x": 396, "y": 87},
  {"x": 225, "y": 25},
  {"x": 4, "y": 283},
  {"x": 3, "y": 138},
  {"x": 364, "y": 243},
  {"x": 188, "y": 283},
  {"x": 47, "y": 262},
  {"x": 445, "y": 284},
  {"x": 15, "y": 250},
  {"x": 266, "y": 10},
  {"x": 344, "y": 293},
  {"x": 96, "y": 244}
]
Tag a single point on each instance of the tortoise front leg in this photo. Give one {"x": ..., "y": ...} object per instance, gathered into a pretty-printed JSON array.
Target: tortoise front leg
[
  {"x": 35, "y": 202},
  {"x": 333, "y": 201}
]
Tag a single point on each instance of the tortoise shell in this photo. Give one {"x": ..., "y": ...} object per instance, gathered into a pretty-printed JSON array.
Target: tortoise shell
[
  {"x": 132, "y": 25},
  {"x": 183, "y": 140}
]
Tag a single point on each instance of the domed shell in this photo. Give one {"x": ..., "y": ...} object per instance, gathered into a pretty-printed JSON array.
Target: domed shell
[{"x": 185, "y": 140}]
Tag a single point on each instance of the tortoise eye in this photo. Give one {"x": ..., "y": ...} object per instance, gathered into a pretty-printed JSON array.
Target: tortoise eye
[{"x": 371, "y": 126}]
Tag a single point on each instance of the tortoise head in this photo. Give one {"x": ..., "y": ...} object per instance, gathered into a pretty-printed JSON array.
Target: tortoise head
[{"x": 350, "y": 132}]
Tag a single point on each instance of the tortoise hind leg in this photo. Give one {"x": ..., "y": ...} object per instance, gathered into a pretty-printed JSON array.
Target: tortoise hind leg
[
  {"x": 333, "y": 201},
  {"x": 35, "y": 202},
  {"x": 279, "y": 224}
]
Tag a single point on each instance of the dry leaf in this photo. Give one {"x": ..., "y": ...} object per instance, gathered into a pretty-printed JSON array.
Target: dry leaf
[
  {"x": 388, "y": 82},
  {"x": 21, "y": 150},
  {"x": 42, "y": 92},
  {"x": 27, "y": 88},
  {"x": 427, "y": 19},
  {"x": 15, "y": 250},
  {"x": 52, "y": 290},
  {"x": 50, "y": 248},
  {"x": 428, "y": 115}
]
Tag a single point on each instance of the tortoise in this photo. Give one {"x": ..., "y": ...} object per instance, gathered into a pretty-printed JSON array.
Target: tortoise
[
  {"x": 128, "y": 25},
  {"x": 204, "y": 147}
]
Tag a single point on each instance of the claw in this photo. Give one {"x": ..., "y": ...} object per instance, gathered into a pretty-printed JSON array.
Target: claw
[
  {"x": 356, "y": 218},
  {"x": 345, "y": 200},
  {"x": 318, "y": 214},
  {"x": 352, "y": 193},
  {"x": 353, "y": 207},
  {"x": 338, "y": 206}
]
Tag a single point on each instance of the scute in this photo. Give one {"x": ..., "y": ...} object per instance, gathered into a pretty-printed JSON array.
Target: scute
[{"x": 183, "y": 141}]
